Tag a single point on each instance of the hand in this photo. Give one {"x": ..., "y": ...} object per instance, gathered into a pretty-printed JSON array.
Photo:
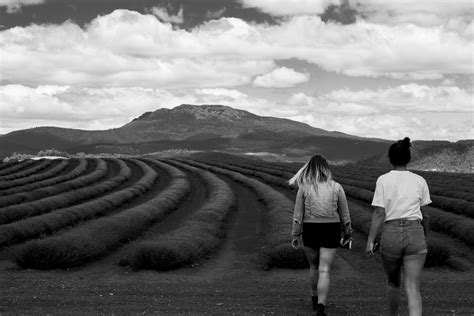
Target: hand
[
  {"x": 369, "y": 248},
  {"x": 346, "y": 241},
  {"x": 297, "y": 242},
  {"x": 347, "y": 229},
  {"x": 346, "y": 235}
]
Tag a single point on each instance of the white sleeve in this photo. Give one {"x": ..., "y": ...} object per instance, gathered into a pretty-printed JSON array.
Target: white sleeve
[
  {"x": 378, "y": 199},
  {"x": 425, "y": 194}
]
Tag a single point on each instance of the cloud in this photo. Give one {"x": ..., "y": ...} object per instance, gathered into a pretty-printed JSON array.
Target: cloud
[
  {"x": 216, "y": 14},
  {"x": 327, "y": 105},
  {"x": 410, "y": 97},
  {"x": 420, "y": 12},
  {"x": 225, "y": 93},
  {"x": 290, "y": 7},
  {"x": 423, "y": 112},
  {"x": 281, "y": 78},
  {"x": 126, "y": 48},
  {"x": 454, "y": 15},
  {"x": 14, "y": 6},
  {"x": 163, "y": 15}
]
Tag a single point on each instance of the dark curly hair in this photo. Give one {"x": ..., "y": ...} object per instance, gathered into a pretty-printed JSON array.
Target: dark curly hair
[{"x": 399, "y": 153}]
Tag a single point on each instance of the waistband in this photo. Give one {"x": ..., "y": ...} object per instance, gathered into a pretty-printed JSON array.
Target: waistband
[{"x": 403, "y": 222}]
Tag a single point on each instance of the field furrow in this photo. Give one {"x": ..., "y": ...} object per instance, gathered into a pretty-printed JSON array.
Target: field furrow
[
  {"x": 74, "y": 168},
  {"x": 18, "y": 167},
  {"x": 56, "y": 167},
  {"x": 20, "y": 211},
  {"x": 8, "y": 164},
  {"x": 87, "y": 242},
  {"x": 278, "y": 218},
  {"x": 42, "y": 166},
  {"x": 195, "y": 237},
  {"x": 47, "y": 223}
]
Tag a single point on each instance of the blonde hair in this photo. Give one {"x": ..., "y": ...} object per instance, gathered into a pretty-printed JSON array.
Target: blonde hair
[{"x": 315, "y": 171}]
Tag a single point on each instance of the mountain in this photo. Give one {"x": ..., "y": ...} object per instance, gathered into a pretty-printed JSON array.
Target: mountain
[
  {"x": 200, "y": 128},
  {"x": 209, "y": 121}
]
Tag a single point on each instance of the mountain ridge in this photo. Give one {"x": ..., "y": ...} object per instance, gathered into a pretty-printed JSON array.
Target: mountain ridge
[
  {"x": 227, "y": 121},
  {"x": 201, "y": 127}
]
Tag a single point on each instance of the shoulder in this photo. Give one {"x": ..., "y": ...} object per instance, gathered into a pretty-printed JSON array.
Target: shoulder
[
  {"x": 417, "y": 178},
  {"x": 336, "y": 185},
  {"x": 384, "y": 177}
]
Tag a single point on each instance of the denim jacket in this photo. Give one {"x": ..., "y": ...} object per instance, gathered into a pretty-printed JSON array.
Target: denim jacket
[{"x": 324, "y": 203}]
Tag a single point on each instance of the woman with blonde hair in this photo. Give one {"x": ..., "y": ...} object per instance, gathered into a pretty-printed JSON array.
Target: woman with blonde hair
[
  {"x": 320, "y": 213},
  {"x": 399, "y": 195}
]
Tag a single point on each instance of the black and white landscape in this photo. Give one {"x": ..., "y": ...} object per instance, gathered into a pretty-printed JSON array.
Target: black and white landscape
[{"x": 146, "y": 148}]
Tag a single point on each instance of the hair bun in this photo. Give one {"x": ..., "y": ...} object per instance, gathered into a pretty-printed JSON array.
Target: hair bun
[{"x": 405, "y": 143}]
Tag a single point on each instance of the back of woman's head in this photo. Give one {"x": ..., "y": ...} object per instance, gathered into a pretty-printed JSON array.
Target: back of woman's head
[
  {"x": 316, "y": 170},
  {"x": 399, "y": 153}
]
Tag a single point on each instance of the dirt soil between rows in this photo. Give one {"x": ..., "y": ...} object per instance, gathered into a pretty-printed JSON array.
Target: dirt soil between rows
[{"x": 231, "y": 282}]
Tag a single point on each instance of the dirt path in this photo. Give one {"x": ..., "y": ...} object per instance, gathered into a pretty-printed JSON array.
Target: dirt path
[{"x": 238, "y": 256}]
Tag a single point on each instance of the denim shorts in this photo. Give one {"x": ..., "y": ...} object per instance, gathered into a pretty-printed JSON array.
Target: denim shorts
[{"x": 402, "y": 237}]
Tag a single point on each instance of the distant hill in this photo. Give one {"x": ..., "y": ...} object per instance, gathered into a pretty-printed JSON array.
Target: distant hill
[
  {"x": 202, "y": 128},
  {"x": 188, "y": 122},
  {"x": 435, "y": 156},
  {"x": 456, "y": 157}
]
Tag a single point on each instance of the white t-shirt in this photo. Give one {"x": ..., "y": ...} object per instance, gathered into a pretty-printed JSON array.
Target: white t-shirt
[{"x": 401, "y": 193}]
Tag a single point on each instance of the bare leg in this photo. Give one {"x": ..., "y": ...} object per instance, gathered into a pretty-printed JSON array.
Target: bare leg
[
  {"x": 392, "y": 267},
  {"x": 413, "y": 265},
  {"x": 326, "y": 257},
  {"x": 393, "y": 294},
  {"x": 313, "y": 259}
]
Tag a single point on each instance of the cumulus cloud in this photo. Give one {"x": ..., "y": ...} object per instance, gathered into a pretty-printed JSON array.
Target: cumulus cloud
[
  {"x": 410, "y": 97},
  {"x": 281, "y": 78},
  {"x": 126, "y": 48},
  {"x": 425, "y": 112},
  {"x": 454, "y": 15},
  {"x": 226, "y": 93},
  {"x": 421, "y": 12},
  {"x": 14, "y": 6},
  {"x": 216, "y": 14},
  {"x": 327, "y": 105},
  {"x": 163, "y": 15},
  {"x": 290, "y": 7}
]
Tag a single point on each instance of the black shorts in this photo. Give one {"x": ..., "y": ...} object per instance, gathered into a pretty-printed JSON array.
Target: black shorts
[{"x": 317, "y": 235}]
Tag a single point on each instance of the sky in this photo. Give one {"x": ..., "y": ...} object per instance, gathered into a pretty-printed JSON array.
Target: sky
[{"x": 371, "y": 68}]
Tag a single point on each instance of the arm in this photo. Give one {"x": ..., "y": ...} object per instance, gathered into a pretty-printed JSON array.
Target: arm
[
  {"x": 343, "y": 210},
  {"x": 425, "y": 222},
  {"x": 298, "y": 214},
  {"x": 377, "y": 222},
  {"x": 425, "y": 200}
]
